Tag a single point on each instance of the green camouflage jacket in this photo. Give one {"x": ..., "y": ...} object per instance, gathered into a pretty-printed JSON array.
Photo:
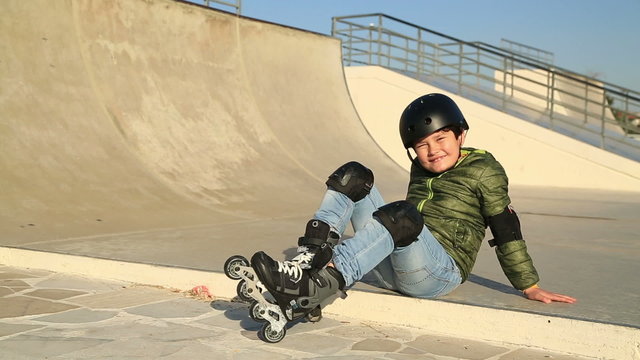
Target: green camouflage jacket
[{"x": 455, "y": 204}]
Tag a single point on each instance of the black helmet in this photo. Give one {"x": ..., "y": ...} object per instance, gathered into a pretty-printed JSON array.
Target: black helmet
[{"x": 428, "y": 114}]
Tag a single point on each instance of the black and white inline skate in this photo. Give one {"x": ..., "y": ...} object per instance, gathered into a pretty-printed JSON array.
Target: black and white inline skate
[
  {"x": 285, "y": 291},
  {"x": 262, "y": 306}
]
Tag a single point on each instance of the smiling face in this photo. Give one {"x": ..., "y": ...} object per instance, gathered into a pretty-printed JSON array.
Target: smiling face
[{"x": 439, "y": 151}]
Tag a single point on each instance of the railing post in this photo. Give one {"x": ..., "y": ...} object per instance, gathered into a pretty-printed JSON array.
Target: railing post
[
  {"x": 436, "y": 61},
  {"x": 552, "y": 97},
  {"x": 504, "y": 82},
  {"x": 627, "y": 120},
  {"x": 350, "y": 44},
  {"x": 370, "y": 42},
  {"x": 549, "y": 88},
  {"x": 478, "y": 67},
  {"x": 586, "y": 102},
  {"x": 602, "y": 119},
  {"x": 460, "y": 68},
  {"x": 378, "y": 40},
  {"x": 333, "y": 26},
  {"x": 419, "y": 57}
]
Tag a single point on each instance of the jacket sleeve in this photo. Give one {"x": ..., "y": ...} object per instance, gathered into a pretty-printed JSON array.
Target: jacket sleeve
[
  {"x": 513, "y": 256},
  {"x": 517, "y": 264}
]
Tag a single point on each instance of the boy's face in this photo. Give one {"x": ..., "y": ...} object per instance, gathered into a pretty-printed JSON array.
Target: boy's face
[{"x": 439, "y": 151}]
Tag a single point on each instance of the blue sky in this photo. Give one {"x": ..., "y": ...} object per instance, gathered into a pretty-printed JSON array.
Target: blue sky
[{"x": 592, "y": 37}]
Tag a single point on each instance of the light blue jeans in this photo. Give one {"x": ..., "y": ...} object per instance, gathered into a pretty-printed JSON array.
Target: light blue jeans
[{"x": 422, "y": 269}]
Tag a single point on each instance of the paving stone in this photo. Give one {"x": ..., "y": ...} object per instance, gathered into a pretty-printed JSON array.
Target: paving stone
[
  {"x": 234, "y": 318},
  {"x": 322, "y": 344},
  {"x": 16, "y": 285},
  {"x": 191, "y": 350},
  {"x": 262, "y": 354},
  {"x": 4, "y": 291},
  {"x": 70, "y": 282},
  {"x": 222, "y": 305},
  {"x": 128, "y": 327},
  {"x": 15, "y": 275},
  {"x": 16, "y": 306},
  {"x": 457, "y": 348},
  {"x": 178, "y": 308},
  {"x": 351, "y": 356},
  {"x": 372, "y": 331},
  {"x": 409, "y": 351},
  {"x": 55, "y": 294},
  {"x": 377, "y": 345},
  {"x": 531, "y": 354},
  {"x": 251, "y": 334},
  {"x": 420, "y": 356},
  {"x": 30, "y": 273},
  {"x": 35, "y": 346},
  {"x": 10, "y": 329},
  {"x": 124, "y": 298},
  {"x": 304, "y": 326},
  {"x": 132, "y": 349},
  {"x": 78, "y": 316}
]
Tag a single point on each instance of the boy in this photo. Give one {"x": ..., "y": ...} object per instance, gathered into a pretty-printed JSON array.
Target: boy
[{"x": 424, "y": 246}]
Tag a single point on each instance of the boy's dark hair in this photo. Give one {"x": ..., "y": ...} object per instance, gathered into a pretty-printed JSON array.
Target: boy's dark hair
[{"x": 457, "y": 130}]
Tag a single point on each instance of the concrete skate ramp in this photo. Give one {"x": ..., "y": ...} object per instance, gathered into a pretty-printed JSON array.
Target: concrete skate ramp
[{"x": 159, "y": 131}]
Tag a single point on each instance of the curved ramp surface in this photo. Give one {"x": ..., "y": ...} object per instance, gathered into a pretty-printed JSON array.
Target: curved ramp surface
[{"x": 168, "y": 130}]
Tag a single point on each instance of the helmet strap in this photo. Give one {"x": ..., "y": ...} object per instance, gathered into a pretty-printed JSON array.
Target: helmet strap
[{"x": 413, "y": 160}]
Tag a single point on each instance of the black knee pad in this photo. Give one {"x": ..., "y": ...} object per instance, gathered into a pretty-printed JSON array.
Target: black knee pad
[
  {"x": 352, "y": 179},
  {"x": 403, "y": 221}
]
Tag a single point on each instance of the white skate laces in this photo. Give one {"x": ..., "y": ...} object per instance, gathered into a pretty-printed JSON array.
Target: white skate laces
[
  {"x": 292, "y": 269},
  {"x": 303, "y": 258}
]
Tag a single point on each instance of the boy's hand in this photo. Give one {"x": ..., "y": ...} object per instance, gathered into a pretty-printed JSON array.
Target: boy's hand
[{"x": 547, "y": 297}]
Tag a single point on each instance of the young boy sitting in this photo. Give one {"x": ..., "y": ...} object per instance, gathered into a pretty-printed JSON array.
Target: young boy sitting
[{"x": 424, "y": 246}]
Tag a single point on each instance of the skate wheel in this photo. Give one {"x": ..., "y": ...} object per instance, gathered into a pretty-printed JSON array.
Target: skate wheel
[
  {"x": 232, "y": 264},
  {"x": 270, "y": 336},
  {"x": 243, "y": 291},
  {"x": 256, "y": 311}
]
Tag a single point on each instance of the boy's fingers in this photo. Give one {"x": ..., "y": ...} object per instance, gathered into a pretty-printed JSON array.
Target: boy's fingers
[
  {"x": 563, "y": 298},
  {"x": 548, "y": 297}
]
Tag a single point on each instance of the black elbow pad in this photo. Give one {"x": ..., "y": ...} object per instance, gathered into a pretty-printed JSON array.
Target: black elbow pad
[{"x": 505, "y": 227}]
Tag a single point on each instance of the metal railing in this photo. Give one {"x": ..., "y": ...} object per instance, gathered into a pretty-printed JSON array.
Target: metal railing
[
  {"x": 596, "y": 112},
  {"x": 236, "y": 5},
  {"x": 527, "y": 51}
]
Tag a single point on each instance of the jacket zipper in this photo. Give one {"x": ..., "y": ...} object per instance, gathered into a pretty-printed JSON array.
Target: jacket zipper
[
  {"x": 429, "y": 194},
  {"x": 464, "y": 153}
]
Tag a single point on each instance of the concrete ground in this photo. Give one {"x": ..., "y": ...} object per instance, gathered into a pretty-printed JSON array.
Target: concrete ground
[{"x": 57, "y": 316}]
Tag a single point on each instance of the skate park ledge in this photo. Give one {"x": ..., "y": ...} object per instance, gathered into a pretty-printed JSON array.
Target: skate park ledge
[{"x": 572, "y": 336}]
